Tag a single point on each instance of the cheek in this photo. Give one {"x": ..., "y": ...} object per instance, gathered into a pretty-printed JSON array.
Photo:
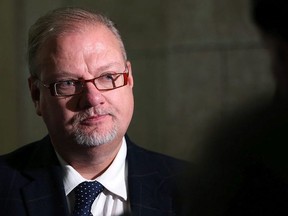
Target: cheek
[
  {"x": 54, "y": 113},
  {"x": 126, "y": 107}
]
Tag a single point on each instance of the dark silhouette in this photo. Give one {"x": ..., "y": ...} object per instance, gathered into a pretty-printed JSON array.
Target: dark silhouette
[{"x": 245, "y": 167}]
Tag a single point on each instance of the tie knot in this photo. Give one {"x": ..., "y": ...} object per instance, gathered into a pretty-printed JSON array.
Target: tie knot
[{"x": 85, "y": 194}]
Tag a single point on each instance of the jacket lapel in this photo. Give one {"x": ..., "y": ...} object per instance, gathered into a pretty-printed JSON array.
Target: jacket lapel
[
  {"x": 145, "y": 184},
  {"x": 45, "y": 194},
  {"x": 145, "y": 198}
]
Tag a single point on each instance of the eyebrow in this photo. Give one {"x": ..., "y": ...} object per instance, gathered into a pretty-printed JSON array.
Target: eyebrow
[
  {"x": 99, "y": 69},
  {"x": 108, "y": 66}
]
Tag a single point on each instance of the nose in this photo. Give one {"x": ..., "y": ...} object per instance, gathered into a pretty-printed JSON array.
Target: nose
[{"x": 91, "y": 96}]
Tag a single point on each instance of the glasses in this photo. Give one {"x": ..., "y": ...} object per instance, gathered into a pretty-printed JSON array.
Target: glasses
[{"x": 72, "y": 87}]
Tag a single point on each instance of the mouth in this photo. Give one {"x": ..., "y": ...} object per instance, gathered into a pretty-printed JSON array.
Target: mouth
[{"x": 94, "y": 119}]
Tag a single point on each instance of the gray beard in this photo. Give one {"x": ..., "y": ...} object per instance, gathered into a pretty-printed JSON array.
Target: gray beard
[{"x": 94, "y": 139}]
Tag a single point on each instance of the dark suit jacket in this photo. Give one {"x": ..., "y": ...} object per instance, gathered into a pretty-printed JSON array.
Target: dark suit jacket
[{"x": 31, "y": 182}]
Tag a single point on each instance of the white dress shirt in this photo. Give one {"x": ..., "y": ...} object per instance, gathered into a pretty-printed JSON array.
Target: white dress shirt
[{"x": 113, "y": 200}]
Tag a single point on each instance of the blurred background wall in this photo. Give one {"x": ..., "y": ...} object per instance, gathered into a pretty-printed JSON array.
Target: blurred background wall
[{"x": 194, "y": 62}]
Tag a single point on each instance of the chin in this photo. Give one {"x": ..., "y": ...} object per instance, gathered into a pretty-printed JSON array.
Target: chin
[{"x": 95, "y": 138}]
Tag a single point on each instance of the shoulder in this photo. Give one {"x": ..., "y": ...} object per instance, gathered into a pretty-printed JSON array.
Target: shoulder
[
  {"x": 29, "y": 155},
  {"x": 150, "y": 160},
  {"x": 162, "y": 176}
]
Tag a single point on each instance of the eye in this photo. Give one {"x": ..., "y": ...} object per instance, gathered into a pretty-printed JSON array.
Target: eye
[
  {"x": 107, "y": 77},
  {"x": 68, "y": 83}
]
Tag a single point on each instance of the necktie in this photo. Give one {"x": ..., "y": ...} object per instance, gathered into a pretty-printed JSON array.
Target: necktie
[{"x": 85, "y": 194}]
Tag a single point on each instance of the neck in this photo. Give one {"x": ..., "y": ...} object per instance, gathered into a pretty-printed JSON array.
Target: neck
[{"x": 90, "y": 162}]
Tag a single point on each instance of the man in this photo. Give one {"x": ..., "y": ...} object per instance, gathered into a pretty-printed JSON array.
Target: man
[{"x": 81, "y": 85}]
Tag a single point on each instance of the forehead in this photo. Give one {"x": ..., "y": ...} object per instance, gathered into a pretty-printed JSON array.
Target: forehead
[
  {"x": 95, "y": 42},
  {"x": 85, "y": 35}
]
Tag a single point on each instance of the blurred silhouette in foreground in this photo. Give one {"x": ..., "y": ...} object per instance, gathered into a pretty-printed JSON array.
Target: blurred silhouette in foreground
[{"x": 245, "y": 167}]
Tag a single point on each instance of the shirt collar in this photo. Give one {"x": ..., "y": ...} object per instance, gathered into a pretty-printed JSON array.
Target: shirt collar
[{"x": 114, "y": 179}]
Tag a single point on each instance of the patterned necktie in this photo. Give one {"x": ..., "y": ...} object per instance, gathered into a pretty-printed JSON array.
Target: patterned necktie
[{"x": 85, "y": 194}]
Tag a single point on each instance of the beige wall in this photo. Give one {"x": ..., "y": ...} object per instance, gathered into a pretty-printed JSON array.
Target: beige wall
[
  {"x": 8, "y": 95},
  {"x": 193, "y": 61}
]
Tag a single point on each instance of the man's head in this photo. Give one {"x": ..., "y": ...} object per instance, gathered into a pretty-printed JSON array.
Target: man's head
[
  {"x": 271, "y": 18},
  {"x": 68, "y": 49},
  {"x": 60, "y": 21}
]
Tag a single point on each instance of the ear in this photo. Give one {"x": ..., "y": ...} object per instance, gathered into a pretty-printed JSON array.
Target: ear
[
  {"x": 35, "y": 94},
  {"x": 130, "y": 77}
]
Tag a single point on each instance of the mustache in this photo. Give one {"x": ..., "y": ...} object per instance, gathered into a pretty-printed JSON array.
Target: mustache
[{"x": 91, "y": 112}]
